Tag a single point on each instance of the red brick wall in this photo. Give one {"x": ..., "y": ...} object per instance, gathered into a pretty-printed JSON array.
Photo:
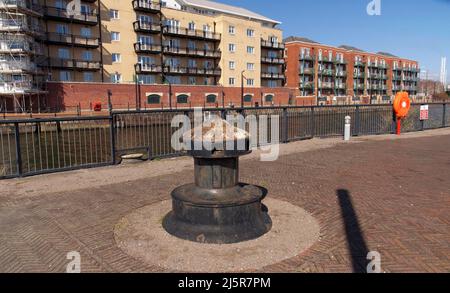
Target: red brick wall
[{"x": 69, "y": 95}]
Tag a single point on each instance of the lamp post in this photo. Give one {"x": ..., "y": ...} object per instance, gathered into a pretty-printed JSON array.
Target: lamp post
[
  {"x": 242, "y": 88},
  {"x": 170, "y": 90}
]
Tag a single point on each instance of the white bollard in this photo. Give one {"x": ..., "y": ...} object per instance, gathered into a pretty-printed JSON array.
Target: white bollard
[{"x": 347, "y": 129}]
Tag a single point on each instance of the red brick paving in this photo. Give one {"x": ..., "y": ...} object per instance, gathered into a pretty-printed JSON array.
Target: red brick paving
[{"x": 400, "y": 206}]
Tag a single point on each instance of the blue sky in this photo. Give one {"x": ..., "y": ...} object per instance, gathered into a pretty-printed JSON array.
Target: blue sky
[{"x": 413, "y": 29}]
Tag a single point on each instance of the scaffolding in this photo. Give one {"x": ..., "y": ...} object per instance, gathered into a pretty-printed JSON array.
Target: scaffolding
[{"x": 22, "y": 81}]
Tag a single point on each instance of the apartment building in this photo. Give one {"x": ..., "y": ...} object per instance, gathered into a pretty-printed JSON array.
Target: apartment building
[
  {"x": 346, "y": 73},
  {"x": 179, "y": 42}
]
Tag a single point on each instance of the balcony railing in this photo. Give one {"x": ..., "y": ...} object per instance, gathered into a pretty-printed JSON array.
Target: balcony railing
[
  {"x": 15, "y": 87},
  {"x": 88, "y": 18},
  {"x": 307, "y": 85},
  {"x": 141, "y": 26},
  {"x": 307, "y": 70},
  {"x": 76, "y": 40},
  {"x": 358, "y": 86},
  {"x": 272, "y": 75},
  {"x": 147, "y": 6},
  {"x": 306, "y": 58},
  {"x": 341, "y": 73},
  {"x": 17, "y": 66},
  {"x": 325, "y": 59},
  {"x": 272, "y": 45},
  {"x": 340, "y": 61},
  {"x": 147, "y": 68},
  {"x": 359, "y": 64},
  {"x": 192, "y": 70},
  {"x": 327, "y": 72},
  {"x": 325, "y": 85},
  {"x": 184, "y": 32},
  {"x": 340, "y": 86},
  {"x": 74, "y": 64},
  {"x": 358, "y": 75},
  {"x": 272, "y": 60},
  {"x": 147, "y": 48},
  {"x": 192, "y": 52},
  {"x": 18, "y": 25}
]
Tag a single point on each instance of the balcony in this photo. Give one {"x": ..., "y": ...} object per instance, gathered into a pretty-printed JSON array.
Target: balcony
[
  {"x": 147, "y": 68},
  {"x": 272, "y": 45},
  {"x": 18, "y": 66},
  {"x": 147, "y": 6},
  {"x": 306, "y": 58},
  {"x": 61, "y": 14},
  {"x": 20, "y": 26},
  {"x": 324, "y": 59},
  {"x": 340, "y": 86},
  {"x": 307, "y": 71},
  {"x": 358, "y": 75},
  {"x": 193, "y": 34},
  {"x": 18, "y": 87},
  {"x": 146, "y": 27},
  {"x": 192, "y": 52},
  {"x": 373, "y": 76},
  {"x": 272, "y": 75},
  {"x": 192, "y": 71},
  {"x": 147, "y": 48},
  {"x": 63, "y": 39},
  {"x": 359, "y": 86},
  {"x": 396, "y": 77},
  {"x": 340, "y": 61},
  {"x": 272, "y": 60},
  {"x": 341, "y": 73},
  {"x": 359, "y": 64},
  {"x": 74, "y": 64}
]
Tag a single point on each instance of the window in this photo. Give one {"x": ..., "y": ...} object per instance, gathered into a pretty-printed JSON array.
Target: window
[
  {"x": 86, "y": 55},
  {"x": 62, "y": 29},
  {"x": 192, "y": 80},
  {"x": 250, "y": 82},
  {"x": 191, "y": 26},
  {"x": 272, "y": 83},
  {"x": 147, "y": 79},
  {"x": 231, "y": 81},
  {"x": 182, "y": 99},
  {"x": 63, "y": 53},
  {"x": 250, "y": 50},
  {"x": 248, "y": 98},
  {"x": 88, "y": 76},
  {"x": 116, "y": 57},
  {"x": 64, "y": 76},
  {"x": 114, "y": 14},
  {"x": 250, "y": 66},
  {"x": 173, "y": 79},
  {"x": 86, "y": 32},
  {"x": 116, "y": 78},
  {"x": 250, "y": 32},
  {"x": 231, "y": 30},
  {"x": 211, "y": 98},
  {"x": 192, "y": 63},
  {"x": 115, "y": 36},
  {"x": 232, "y": 65},
  {"x": 232, "y": 48},
  {"x": 268, "y": 98},
  {"x": 154, "y": 99}
]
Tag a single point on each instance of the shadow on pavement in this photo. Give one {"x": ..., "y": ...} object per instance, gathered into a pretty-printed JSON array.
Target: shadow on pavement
[{"x": 355, "y": 239}]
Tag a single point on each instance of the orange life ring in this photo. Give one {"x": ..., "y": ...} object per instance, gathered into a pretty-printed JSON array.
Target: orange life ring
[{"x": 402, "y": 104}]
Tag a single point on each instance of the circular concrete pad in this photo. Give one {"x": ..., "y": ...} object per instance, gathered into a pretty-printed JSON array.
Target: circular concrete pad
[{"x": 141, "y": 235}]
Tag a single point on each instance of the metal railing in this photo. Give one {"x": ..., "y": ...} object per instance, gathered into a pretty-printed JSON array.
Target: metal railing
[{"x": 37, "y": 146}]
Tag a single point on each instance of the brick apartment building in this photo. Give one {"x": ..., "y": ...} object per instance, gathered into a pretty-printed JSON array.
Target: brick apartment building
[
  {"x": 46, "y": 48},
  {"x": 346, "y": 73}
]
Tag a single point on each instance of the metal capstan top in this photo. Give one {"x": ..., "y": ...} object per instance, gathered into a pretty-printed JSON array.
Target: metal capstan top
[{"x": 216, "y": 137}]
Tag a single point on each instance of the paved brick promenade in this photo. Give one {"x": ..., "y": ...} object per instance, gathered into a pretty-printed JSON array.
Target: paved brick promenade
[{"x": 392, "y": 196}]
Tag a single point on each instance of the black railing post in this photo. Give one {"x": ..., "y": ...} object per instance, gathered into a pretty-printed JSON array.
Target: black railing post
[
  {"x": 18, "y": 151},
  {"x": 357, "y": 121},
  {"x": 313, "y": 126},
  {"x": 444, "y": 113},
  {"x": 112, "y": 137},
  {"x": 284, "y": 126}
]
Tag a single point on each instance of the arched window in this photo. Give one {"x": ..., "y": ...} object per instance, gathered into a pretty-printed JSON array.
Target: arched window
[
  {"x": 182, "y": 99},
  {"x": 154, "y": 99},
  {"x": 248, "y": 98},
  {"x": 211, "y": 98},
  {"x": 269, "y": 98}
]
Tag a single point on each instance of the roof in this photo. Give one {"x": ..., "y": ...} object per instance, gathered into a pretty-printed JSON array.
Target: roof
[
  {"x": 350, "y": 48},
  {"x": 387, "y": 54},
  {"x": 299, "y": 39},
  {"x": 220, "y": 7}
]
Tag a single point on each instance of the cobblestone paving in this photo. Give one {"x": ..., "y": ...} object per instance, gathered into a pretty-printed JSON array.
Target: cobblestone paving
[{"x": 387, "y": 196}]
